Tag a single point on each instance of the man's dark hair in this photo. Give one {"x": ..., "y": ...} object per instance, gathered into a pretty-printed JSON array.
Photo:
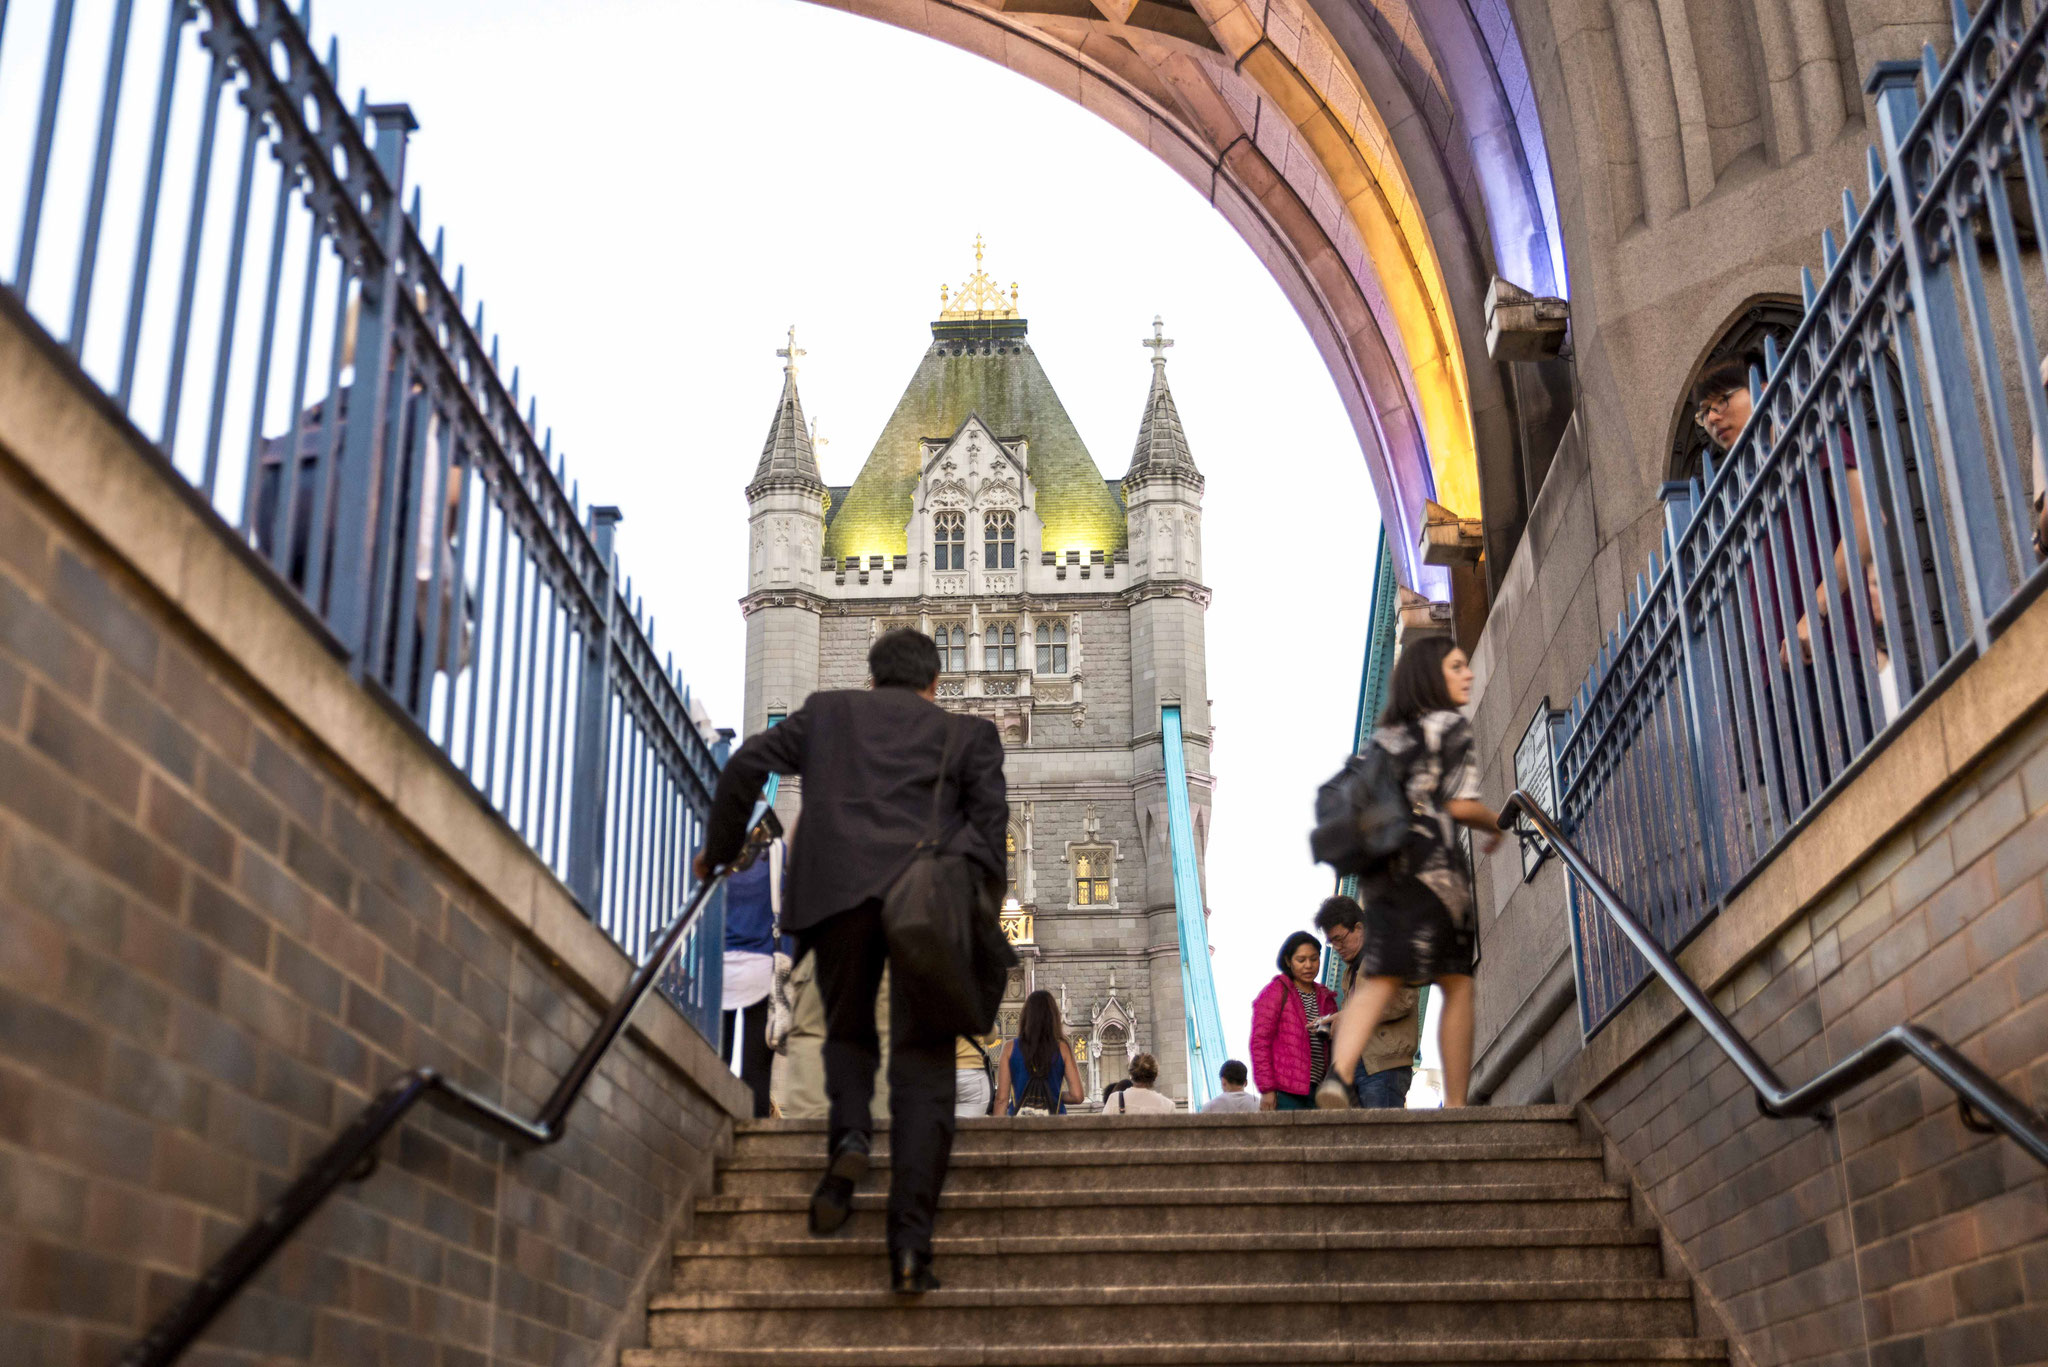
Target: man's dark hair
[
  {"x": 1338, "y": 911},
  {"x": 903, "y": 658},
  {"x": 1418, "y": 686},
  {"x": 1232, "y": 1072},
  {"x": 1722, "y": 378}
]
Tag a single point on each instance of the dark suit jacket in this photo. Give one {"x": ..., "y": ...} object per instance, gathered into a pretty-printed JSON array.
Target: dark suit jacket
[{"x": 868, "y": 760}]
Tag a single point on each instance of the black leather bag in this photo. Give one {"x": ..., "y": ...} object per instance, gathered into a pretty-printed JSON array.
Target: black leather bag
[{"x": 948, "y": 955}]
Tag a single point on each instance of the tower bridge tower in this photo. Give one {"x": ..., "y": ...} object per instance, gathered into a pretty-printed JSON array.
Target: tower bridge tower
[{"x": 1068, "y": 609}]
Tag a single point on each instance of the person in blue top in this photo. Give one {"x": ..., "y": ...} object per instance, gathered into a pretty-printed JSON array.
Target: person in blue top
[
  {"x": 749, "y": 972},
  {"x": 1036, "y": 1075}
]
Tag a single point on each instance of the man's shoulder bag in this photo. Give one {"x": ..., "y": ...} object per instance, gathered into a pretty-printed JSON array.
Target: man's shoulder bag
[{"x": 947, "y": 951}]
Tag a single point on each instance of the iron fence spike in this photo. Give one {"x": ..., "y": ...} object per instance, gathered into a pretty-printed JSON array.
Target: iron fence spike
[
  {"x": 1756, "y": 384},
  {"x": 515, "y": 386},
  {"x": 306, "y": 17},
  {"x": 1874, "y": 166},
  {"x": 1806, "y": 291},
  {"x": 1848, "y": 212},
  {"x": 415, "y": 214},
  {"x": 458, "y": 271},
  {"x": 1771, "y": 356},
  {"x": 1829, "y": 251},
  {"x": 1959, "y": 15},
  {"x": 333, "y": 57},
  {"x": 1930, "y": 69}
]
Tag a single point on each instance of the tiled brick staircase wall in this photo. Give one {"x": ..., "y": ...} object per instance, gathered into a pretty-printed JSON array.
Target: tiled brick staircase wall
[
  {"x": 1898, "y": 1229},
  {"x": 216, "y": 940}
]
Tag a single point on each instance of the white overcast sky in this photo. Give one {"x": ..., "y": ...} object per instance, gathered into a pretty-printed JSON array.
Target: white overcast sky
[{"x": 647, "y": 193}]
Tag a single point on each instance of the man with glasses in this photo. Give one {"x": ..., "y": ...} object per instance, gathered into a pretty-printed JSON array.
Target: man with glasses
[{"x": 1388, "y": 1064}]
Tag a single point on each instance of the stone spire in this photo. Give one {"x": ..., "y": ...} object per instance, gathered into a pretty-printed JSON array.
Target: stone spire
[
  {"x": 1162, "y": 446},
  {"x": 788, "y": 453}
]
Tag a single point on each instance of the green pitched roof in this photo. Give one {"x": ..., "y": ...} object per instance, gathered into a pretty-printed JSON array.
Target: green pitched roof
[{"x": 968, "y": 371}]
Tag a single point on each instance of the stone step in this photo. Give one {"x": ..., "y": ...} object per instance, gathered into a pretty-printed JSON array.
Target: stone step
[
  {"x": 1193, "y": 1210},
  {"x": 1054, "y": 1264},
  {"x": 1227, "y": 1312},
  {"x": 1106, "y": 1167},
  {"x": 1188, "y": 1133},
  {"x": 1550, "y": 1352}
]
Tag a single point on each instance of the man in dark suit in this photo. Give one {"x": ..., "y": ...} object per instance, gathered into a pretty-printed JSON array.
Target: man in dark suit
[{"x": 869, "y": 761}]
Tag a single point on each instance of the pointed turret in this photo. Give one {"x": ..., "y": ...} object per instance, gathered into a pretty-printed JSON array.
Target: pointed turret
[
  {"x": 788, "y": 452},
  {"x": 1162, "y": 446}
]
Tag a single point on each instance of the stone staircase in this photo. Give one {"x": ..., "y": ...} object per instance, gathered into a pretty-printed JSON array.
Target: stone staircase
[{"x": 1479, "y": 1237}]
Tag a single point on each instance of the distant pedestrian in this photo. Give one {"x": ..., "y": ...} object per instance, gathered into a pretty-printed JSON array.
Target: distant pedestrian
[
  {"x": 1036, "y": 1074},
  {"x": 1418, "y": 909},
  {"x": 1387, "y": 1067},
  {"x": 750, "y": 973},
  {"x": 1234, "y": 1096},
  {"x": 1289, "y": 1055},
  {"x": 1141, "y": 1097},
  {"x": 974, "y": 1086}
]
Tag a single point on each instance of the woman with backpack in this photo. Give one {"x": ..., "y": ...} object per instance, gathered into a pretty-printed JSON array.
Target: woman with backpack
[
  {"x": 1289, "y": 1055},
  {"x": 1037, "y": 1075},
  {"x": 1418, "y": 905}
]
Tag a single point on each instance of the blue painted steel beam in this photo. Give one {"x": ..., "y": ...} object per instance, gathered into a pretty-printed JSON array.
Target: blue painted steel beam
[{"x": 1206, "y": 1047}]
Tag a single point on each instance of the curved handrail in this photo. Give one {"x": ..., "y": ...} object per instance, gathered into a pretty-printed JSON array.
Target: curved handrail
[
  {"x": 1986, "y": 1106},
  {"x": 352, "y": 1156}
]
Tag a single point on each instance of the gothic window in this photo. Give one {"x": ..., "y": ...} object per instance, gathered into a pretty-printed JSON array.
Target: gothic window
[
  {"x": 999, "y": 646},
  {"x": 1114, "y": 1062},
  {"x": 949, "y": 538},
  {"x": 1052, "y": 647},
  {"x": 1010, "y": 863},
  {"x": 999, "y": 531},
  {"x": 1091, "y": 877},
  {"x": 952, "y": 644}
]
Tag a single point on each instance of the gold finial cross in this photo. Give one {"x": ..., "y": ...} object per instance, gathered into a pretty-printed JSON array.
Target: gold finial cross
[
  {"x": 790, "y": 352},
  {"x": 1158, "y": 341},
  {"x": 816, "y": 440},
  {"x": 977, "y": 250}
]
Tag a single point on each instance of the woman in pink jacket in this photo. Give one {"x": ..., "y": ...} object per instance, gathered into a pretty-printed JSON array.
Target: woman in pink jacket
[{"x": 1289, "y": 1055}]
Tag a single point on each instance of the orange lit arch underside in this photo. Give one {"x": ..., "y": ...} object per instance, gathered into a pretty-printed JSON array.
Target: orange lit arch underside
[{"x": 1343, "y": 237}]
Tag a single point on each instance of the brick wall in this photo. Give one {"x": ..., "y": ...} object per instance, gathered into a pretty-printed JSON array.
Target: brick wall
[
  {"x": 1897, "y": 1229},
  {"x": 214, "y": 945}
]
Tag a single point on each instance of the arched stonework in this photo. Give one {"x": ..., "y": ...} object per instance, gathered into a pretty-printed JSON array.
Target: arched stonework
[{"x": 1270, "y": 116}]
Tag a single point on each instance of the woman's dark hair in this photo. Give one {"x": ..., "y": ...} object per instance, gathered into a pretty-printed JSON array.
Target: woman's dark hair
[
  {"x": 1338, "y": 911},
  {"x": 1720, "y": 380},
  {"x": 1110, "y": 1089},
  {"x": 1294, "y": 942},
  {"x": 1038, "y": 1034},
  {"x": 1144, "y": 1070},
  {"x": 903, "y": 658},
  {"x": 1418, "y": 686}
]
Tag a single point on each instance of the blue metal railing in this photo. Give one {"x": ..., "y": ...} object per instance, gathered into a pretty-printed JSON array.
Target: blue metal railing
[
  {"x": 249, "y": 291},
  {"x": 1206, "y": 1046},
  {"x": 1867, "y": 536}
]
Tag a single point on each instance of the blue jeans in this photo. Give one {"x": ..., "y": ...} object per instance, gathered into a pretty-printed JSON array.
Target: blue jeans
[{"x": 1386, "y": 1088}]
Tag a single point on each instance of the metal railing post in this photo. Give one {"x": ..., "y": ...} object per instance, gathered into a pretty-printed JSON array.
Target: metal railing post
[
  {"x": 1697, "y": 694},
  {"x": 593, "y": 736},
  {"x": 1959, "y": 441},
  {"x": 367, "y": 442}
]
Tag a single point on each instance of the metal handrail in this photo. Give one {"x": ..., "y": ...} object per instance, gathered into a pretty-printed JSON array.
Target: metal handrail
[
  {"x": 1985, "y": 1106},
  {"x": 352, "y": 1156}
]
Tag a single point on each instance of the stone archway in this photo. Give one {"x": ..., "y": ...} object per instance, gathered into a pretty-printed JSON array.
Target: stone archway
[{"x": 1379, "y": 184}]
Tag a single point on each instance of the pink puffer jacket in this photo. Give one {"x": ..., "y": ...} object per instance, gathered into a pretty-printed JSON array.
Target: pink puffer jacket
[{"x": 1280, "y": 1053}]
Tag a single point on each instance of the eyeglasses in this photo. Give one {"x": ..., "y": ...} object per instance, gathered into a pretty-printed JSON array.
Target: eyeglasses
[{"x": 1712, "y": 408}]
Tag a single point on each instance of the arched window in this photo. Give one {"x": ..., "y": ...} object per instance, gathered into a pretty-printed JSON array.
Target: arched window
[
  {"x": 999, "y": 646},
  {"x": 999, "y": 532},
  {"x": 952, "y": 644},
  {"x": 1091, "y": 878},
  {"x": 1052, "y": 647},
  {"x": 949, "y": 541},
  {"x": 1010, "y": 863}
]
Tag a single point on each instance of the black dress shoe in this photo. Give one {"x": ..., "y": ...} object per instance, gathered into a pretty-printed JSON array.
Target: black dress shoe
[
  {"x": 832, "y": 1202},
  {"x": 911, "y": 1273}
]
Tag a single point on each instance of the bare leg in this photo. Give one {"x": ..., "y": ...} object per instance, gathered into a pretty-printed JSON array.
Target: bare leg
[
  {"x": 1360, "y": 1016},
  {"x": 1454, "y": 1036}
]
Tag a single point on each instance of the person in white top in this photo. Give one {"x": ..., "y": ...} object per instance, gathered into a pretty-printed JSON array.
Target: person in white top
[
  {"x": 1139, "y": 1098},
  {"x": 1234, "y": 1097}
]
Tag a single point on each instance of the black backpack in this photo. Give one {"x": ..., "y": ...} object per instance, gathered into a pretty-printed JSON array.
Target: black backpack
[{"x": 1362, "y": 813}]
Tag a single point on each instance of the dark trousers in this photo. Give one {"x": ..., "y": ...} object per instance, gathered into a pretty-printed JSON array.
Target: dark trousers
[
  {"x": 851, "y": 953},
  {"x": 755, "y": 1058}
]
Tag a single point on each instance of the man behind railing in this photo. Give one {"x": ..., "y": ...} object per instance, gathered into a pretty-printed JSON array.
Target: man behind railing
[{"x": 882, "y": 770}]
